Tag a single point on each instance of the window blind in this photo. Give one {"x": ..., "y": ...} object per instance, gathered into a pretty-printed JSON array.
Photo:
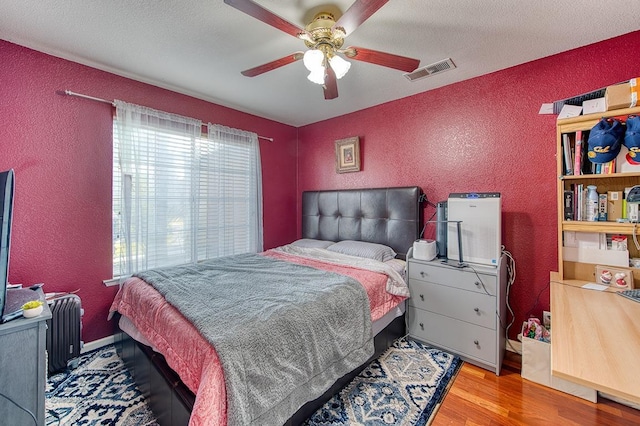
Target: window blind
[{"x": 179, "y": 197}]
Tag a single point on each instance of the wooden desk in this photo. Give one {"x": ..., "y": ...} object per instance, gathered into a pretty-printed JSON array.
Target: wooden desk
[{"x": 595, "y": 339}]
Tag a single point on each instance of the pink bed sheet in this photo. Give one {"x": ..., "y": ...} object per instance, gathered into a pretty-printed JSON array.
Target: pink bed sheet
[{"x": 192, "y": 357}]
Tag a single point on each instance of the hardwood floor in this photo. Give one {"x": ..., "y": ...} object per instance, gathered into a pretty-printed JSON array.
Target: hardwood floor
[{"x": 479, "y": 397}]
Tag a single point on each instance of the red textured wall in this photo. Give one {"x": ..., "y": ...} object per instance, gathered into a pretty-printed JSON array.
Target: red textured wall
[
  {"x": 60, "y": 148},
  {"x": 480, "y": 135}
]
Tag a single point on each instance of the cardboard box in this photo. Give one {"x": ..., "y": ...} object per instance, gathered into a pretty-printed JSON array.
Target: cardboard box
[
  {"x": 622, "y": 95},
  {"x": 614, "y": 205},
  {"x": 536, "y": 366}
]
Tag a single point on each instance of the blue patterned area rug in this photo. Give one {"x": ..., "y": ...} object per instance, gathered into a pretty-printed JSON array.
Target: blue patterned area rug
[
  {"x": 100, "y": 391},
  {"x": 404, "y": 386}
]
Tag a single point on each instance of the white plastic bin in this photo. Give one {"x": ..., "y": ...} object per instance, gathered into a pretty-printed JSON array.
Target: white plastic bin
[{"x": 536, "y": 366}]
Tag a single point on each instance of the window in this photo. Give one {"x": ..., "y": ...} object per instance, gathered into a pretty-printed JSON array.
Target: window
[{"x": 179, "y": 197}]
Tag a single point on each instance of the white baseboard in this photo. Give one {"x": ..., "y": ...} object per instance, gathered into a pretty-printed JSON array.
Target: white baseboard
[
  {"x": 97, "y": 344},
  {"x": 619, "y": 400}
]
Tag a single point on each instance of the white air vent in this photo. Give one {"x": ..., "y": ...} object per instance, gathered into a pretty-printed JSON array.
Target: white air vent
[{"x": 426, "y": 71}]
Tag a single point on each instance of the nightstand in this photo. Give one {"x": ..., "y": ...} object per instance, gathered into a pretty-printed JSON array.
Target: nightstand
[
  {"x": 461, "y": 310},
  {"x": 23, "y": 367}
]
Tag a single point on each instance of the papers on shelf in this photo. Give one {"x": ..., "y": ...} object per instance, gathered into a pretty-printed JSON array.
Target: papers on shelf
[
  {"x": 568, "y": 111},
  {"x": 594, "y": 286},
  {"x": 546, "y": 109},
  {"x": 596, "y": 256},
  {"x": 593, "y": 240}
]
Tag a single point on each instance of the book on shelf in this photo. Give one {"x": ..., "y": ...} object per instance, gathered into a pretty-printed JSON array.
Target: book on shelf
[
  {"x": 567, "y": 154},
  {"x": 574, "y": 154},
  {"x": 580, "y": 200},
  {"x": 577, "y": 161},
  {"x": 568, "y": 205}
]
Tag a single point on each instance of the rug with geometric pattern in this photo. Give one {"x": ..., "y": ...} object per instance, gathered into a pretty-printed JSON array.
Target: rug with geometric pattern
[
  {"x": 404, "y": 386},
  {"x": 100, "y": 391}
]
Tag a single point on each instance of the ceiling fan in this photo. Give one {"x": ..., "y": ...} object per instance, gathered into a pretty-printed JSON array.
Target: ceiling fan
[{"x": 324, "y": 37}]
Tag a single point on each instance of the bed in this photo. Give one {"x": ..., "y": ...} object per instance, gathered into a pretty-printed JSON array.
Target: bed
[{"x": 384, "y": 216}]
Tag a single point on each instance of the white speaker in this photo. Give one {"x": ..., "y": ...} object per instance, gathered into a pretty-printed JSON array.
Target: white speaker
[{"x": 480, "y": 217}]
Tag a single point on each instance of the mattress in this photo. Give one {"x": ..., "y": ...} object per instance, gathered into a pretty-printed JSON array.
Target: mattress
[
  {"x": 377, "y": 326},
  {"x": 150, "y": 319}
]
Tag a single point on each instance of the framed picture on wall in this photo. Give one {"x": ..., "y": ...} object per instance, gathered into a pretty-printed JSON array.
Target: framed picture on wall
[{"x": 348, "y": 155}]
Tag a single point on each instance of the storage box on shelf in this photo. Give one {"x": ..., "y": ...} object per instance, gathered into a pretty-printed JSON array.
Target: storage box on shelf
[
  {"x": 605, "y": 183},
  {"x": 622, "y": 95}
]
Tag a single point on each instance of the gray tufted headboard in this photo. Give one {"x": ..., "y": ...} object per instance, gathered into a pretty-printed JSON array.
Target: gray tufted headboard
[{"x": 389, "y": 216}]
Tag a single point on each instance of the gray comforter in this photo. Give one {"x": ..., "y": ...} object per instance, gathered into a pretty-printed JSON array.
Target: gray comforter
[{"x": 284, "y": 332}]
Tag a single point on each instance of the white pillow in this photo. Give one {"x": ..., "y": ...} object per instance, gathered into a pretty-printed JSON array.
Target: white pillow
[
  {"x": 311, "y": 243},
  {"x": 397, "y": 265},
  {"x": 375, "y": 251}
]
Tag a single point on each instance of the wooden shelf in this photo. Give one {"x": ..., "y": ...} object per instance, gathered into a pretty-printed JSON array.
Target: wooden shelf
[
  {"x": 606, "y": 227},
  {"x": 604, "y": 182},
  {"x": 598, "y": 177},
  {"x": 586, "y": 122},
  {"x": 594, "y": 333}
]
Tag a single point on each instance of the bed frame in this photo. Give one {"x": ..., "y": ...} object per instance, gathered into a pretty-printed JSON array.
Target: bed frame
[{"x": 389, "y": 216}]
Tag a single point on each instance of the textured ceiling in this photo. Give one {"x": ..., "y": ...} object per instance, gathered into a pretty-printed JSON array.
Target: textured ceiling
[{"x": 199, "y": 47}]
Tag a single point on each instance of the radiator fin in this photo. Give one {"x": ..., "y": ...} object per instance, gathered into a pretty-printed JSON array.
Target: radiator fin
[{"x": 64, "y": 332}]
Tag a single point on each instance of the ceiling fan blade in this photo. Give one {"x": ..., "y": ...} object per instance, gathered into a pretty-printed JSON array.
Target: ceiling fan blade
[
  {"x": 261, "y": 69},
  {"x": 330, "y": 84},
  {"x": 253, "y": 9},
  {"x": 359, "y": 12},
  {"x": 390, "y": 60}
]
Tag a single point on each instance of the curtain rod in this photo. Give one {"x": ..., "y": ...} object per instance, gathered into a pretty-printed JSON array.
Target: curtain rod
[{"x": 80, "y": 95}]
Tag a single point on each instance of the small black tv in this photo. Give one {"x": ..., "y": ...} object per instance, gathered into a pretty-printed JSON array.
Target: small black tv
[
  {"x": 11, "y": 300},
  {"x": 6, "y": 210}
]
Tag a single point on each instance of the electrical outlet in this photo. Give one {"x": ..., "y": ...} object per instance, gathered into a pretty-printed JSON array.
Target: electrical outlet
[{"x": 546, "y": 319}]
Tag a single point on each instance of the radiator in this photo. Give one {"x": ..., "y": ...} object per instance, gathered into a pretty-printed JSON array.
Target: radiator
[{"x": 64, "y": 332}]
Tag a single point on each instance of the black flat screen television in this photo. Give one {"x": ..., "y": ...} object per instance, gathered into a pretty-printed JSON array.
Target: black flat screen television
[
  {"x": 6, "y": 211},
  {"x": 11, "y": 300}
]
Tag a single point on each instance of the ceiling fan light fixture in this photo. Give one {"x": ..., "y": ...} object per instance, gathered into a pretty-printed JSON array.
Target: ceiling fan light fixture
[
  {"x": 317, "y": 76},
  {"x": 313, "y": 60},
  {"x": 339, "y": 65}
]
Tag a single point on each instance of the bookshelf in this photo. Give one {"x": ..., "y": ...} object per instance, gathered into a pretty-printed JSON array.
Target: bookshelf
[{"x": 574, "y": 270}]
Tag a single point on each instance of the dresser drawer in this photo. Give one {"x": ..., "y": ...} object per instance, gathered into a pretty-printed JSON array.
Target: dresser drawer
[
  {"x": 475, "y": 308},
  {"x": 448, "y": 333},
  {"x": 465, "y": 279}
]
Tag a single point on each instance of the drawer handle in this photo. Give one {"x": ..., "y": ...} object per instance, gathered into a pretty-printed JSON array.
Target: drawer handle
[
  {"x": 422, "y": 274},
  {"x": 477, "y": 310},
  {"x": 422, "y": 326},
  {"x": 475, "y": 342},
  {"x": 478, "y": 284},
  {"x": 422, "y": 297}
]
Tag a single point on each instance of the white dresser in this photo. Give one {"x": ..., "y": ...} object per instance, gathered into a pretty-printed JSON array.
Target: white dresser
[{"x": 461, "y": 310}]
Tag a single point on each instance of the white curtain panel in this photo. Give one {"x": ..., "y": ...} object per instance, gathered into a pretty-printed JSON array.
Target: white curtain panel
[
  {"x": 230, "y": 217},
  {"x": 153, "y": 186},
  {"x": 180, "y": 197}
]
